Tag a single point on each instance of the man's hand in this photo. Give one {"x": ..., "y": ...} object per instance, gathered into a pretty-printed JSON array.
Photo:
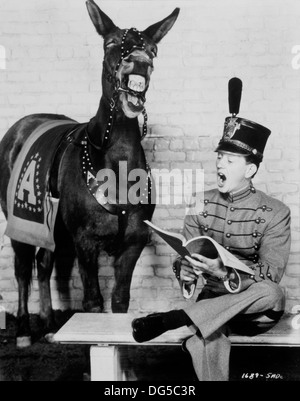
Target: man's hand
[
  {"x": 187, "y": 272},
  {"x": 200, "y": 264}
]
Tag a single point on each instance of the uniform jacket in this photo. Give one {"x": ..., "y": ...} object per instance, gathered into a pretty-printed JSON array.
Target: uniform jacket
[{"x": 252, "y": 225}]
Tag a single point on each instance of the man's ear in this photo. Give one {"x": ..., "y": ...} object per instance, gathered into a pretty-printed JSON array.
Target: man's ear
[{"x": 251, "y": 170}]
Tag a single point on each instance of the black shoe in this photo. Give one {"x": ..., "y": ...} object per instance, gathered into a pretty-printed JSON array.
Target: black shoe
[{"x": 148, "y": 327}]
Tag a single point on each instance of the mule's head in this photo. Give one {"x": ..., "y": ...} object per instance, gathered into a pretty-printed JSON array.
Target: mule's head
[{"x": 128, "y": 58}]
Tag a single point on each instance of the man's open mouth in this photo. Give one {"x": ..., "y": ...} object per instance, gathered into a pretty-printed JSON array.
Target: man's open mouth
[{"x": 221, "y": 179}]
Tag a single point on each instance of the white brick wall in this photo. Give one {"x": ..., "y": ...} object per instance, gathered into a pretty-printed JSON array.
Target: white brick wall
[{"x": 53, "y": 64}]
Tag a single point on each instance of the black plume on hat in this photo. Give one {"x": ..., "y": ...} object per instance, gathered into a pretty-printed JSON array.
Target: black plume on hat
[{"x": 234, "y": 95}]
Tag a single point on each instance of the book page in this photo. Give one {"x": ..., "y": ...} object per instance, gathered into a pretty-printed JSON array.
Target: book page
[
  {"x": 202, "y": 246},
  {"x": 210, "y": 248},
  {"x": 175, "y": 240}
]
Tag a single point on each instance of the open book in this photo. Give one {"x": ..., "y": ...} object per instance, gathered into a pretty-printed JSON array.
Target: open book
[{"x": 202, "y": 245}]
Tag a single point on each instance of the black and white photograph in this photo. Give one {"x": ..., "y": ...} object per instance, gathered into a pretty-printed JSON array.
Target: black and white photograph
[{"x": 149, "y": 193}]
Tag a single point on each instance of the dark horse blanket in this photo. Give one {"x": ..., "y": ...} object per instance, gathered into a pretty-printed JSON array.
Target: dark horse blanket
[{"x": 31, "y": 208}]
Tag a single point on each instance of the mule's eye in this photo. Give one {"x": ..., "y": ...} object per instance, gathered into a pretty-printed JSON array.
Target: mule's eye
[
  {"x": 110, "y": 44},
  {"x": 154, "y": 51}
]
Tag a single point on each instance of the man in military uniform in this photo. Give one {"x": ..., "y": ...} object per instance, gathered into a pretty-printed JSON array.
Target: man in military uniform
[{"x": 248, "y": 223}]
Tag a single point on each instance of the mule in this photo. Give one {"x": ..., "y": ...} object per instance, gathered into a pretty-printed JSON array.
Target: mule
[{"x": 92, "y": 223}]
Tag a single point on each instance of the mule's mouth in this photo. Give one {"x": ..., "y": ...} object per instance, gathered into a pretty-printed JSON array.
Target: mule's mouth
[
  {"x": 136, "y": 87},
  {"x": 132, "y": 94}
]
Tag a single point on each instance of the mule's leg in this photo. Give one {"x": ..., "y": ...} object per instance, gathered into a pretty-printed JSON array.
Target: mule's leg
[
  {"x": 88, "y": 267},
  {"x": 45, "y": 261},
  {"x": 124, "y": 266},
  {"x": 24, "y": 260}
]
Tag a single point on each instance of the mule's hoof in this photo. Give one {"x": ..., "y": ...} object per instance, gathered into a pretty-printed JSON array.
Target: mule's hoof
[
  {"x": 49, "y": 337},
  {"x": 23, "y": 342}
]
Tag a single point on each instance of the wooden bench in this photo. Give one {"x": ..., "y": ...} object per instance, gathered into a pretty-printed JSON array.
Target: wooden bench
[{"x": 106, "y": 333}]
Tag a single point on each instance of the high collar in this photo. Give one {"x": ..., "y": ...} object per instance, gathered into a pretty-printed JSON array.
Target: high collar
[{"x": 241, "y": 194}]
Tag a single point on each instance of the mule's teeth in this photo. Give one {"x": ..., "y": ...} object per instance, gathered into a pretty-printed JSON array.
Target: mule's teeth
[
  {"x": 133, "y": 99},
  {"x": 136, "y": 83},
  {"x": 132, "y": 85}
]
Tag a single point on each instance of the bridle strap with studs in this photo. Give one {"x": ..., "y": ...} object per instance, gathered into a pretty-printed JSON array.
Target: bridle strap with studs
[{"x": 117, "y": 87}]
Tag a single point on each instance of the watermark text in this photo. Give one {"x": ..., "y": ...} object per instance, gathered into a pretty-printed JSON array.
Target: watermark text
[{"x": 162, "y": 187}]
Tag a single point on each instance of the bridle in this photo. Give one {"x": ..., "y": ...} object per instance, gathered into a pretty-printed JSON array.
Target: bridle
[
  {"x": 88, "y": 170},
  {"x": 112, "y": 78}
]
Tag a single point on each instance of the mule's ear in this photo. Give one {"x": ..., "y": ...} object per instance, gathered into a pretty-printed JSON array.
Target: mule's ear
[
  {"x": 160, "y": 29},
  {"x": 101, "y": 21}
]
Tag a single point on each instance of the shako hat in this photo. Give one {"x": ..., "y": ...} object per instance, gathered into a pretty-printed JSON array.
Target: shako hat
[{"x": 240, "y": 135}]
